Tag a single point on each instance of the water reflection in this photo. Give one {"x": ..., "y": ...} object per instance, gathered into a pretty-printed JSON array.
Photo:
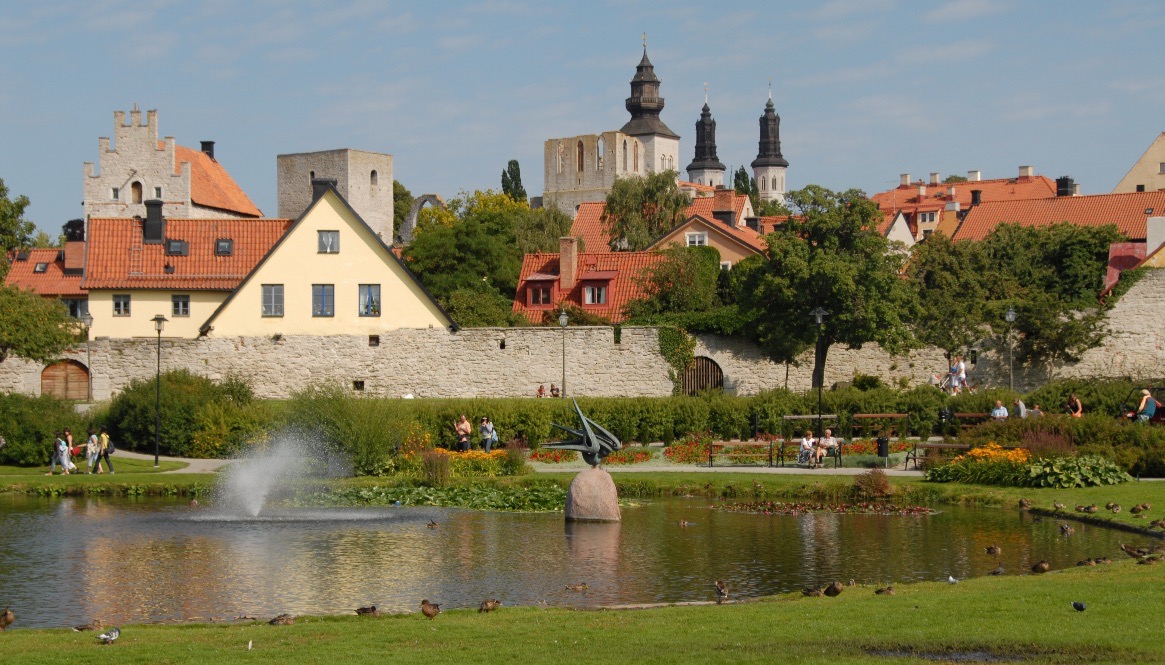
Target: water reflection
[{"x": 70, "y": 560}]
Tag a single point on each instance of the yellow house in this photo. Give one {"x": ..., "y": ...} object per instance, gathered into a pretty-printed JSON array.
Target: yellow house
[{"x": 734, "y": 243}]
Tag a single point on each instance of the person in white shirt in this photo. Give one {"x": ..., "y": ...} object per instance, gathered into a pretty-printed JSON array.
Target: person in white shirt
[
  {"x": 805, "y": 455},
  {"x": 999, "y": 412},
  {"x": 825, "y": 446}
]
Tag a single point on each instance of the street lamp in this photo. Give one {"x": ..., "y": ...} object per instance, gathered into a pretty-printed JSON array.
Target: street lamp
[
  {"x": 1010, "y": 316},
  {"x": 87, "y": 321},
  {"x": 159, "y": 323},
  {"x": 819, "y": 315},
  {"x": 563, "y": 319}
]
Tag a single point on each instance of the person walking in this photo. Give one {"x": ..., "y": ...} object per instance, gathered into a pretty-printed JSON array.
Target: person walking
[
  {"x": 61, "y": 455},
  {"x": 463, "y": 429},
  {"x": 92, "y": 450},
  {"x": 489, "y": 434},
  {"x": 105, "y": 449},
  {"x": 961, "y": 371}
]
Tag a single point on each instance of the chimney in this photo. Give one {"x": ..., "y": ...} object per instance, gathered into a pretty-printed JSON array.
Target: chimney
[
  {"x": 208, "y": 148},
  {"x": 921, "y": 192},
  {"x": 934, "y": 179},
  {"x": 1075, "y": 189},
  {"x": 1025, "y": 171},
  {"x": 904, "y": 180},
  {"x": 567, "y": 263},
  {"x": 974, "y": 176},
  {"x": 319, "y": 186},
  {"x": 976, "y": 197},
  {"x": 951, "y": 191},
  {"x": 1154, "y": 234},
  {"x": 154, "y": 228},
  {"x": 74, "y": 246},
  {"x": 1065, "y": 186}
]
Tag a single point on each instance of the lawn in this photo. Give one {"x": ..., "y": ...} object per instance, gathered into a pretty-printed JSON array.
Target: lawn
[{"x": 123, "y": 465}]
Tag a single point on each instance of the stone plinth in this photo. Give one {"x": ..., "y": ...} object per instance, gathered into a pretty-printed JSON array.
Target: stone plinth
[{"x": 592, "y": 497}]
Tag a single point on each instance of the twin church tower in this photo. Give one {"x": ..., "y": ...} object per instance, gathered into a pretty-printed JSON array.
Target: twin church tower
[{"x": 578, "y": 169}]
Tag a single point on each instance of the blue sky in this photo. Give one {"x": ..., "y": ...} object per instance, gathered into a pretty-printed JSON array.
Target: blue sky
[{"x": 866, "y": 89}]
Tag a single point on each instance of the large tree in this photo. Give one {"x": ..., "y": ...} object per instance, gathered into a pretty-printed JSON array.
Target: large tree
[
  {"x": 16, "y": 232},
  {"x": 402, "y": 201},
  {"x": 34, "y": 327},
  {"x": 829, "y": 255},
  {"x": 948, "y": 278},
  {"x": 641, "y": 209},
  {"x": 540, "y": 230},
  {"x": 512, "y": 182}
]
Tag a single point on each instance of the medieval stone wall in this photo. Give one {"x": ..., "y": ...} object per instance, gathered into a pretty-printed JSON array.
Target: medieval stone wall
[{"x": 370, "y": 196}]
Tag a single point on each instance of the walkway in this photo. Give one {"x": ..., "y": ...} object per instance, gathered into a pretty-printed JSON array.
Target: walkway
[{"x": 192, "y": 465}]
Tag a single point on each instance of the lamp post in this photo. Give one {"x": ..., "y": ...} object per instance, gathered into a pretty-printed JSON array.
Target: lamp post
[
  {"x": 1010, "y": 316},
  {"x": 563, "y": 319},
  {"x": 819, "y": 315},
  {"x": 87, "y": 321},
  {"x": 159, "y": 323}
]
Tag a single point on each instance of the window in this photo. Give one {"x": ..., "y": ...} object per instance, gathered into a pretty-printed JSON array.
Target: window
[
  {"x": 121, "y": 304},
  {"x": 329, "y": 242},
  {"x": 177, "y": 248},
  {"x": 272, "y": 300},
  {"x": 1162, "y": 168},
  {"x": 635, "y": 147},
  {"x": 374, "y": 340},
  {"x": 726, "y": 265},
  {"x": 1140, "y": 188},
  {"x": 579, "y": 156},
  {"x": 624, "y": 158},
  {"x": 538, "y": 294},
  {"x": 697, "y": 239},
  {"x": 763, "y": 184},
  {"x": 224, "y": 247},
  {"x": 369, "y": 300},
  {"x": 116, "y": 194},
  {"x": 157, "y": 192},
  {"x": 323, "y": 299},
  {"x": 41, "y": 267},
  {"x": 594, "y": 295},
  {"x": 358, "y": 385},
  {"x": 180, "y": 305},
  {"x": 136, "y": 192},
  {"x": 372, "y": 178},
  {"x": 78, "y": 307}
]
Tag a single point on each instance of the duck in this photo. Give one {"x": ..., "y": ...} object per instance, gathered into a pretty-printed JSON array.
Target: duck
[
  {"x": 998, "y": 570},
  {"x": 1109, "y": 505},
  {"x": 369, "y": 611},
  {"x": 430, "y": 610},
  {"x": 1066, "y": 529},
  {"x": 852, "y": 582},
  {"x": 92, "y": 625},
  {"x": 193, "y": 503},
  {"x": 993, "y": 549},
  {"x": 489, "y": 605},
  {"x": 1091, "y": 509},
  {"x": 834, "y": 589},
  {"x": 1137, "y": 509},
  {"x": 1160, "y": 524},
  {"x": 7, "y": 618},
  {"x": 1081, "y": 508},
  {"x": 283, "y": 620},
  {"x": 432, "y": 524},
  {"x": 1041, "y": 567},
  {"x": 885, "y": 591},
  {"x": 109, "y": 636},
  {"x": 581, "y": 586},
  {"x": 1102, "y": 560},
  {"x": 812, "y": 592},
  {"x": 1058, "y": 506},
  {"x": 1116, "y": 508},
  {"x": 1148, "y": 560},
  {"x": 1135, "y": 552},
  {"x": 1086, "y": 562},
  {"x": 721, "y": 591},
  {"x": 1024, "y": 504}
]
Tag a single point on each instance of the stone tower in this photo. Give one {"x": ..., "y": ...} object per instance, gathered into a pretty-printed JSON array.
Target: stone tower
[
  {"x": 363, "y": 178},
  {"x": 706, "y": 168},
  {"x": 661, "y": 146},
  {"x": 769, "y": 166}
]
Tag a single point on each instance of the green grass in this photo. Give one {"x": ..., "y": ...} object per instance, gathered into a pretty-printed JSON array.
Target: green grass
[
  {"x": 1019, "y": 617},
  {"x": 123, "y": 465}
]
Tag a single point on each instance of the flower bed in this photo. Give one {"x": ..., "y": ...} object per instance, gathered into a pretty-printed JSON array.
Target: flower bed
[
  {"x": 870, "y": 447},
  {"x": 636, "y": 455},
  {"x": 553, "y": 456},
  {"x": 781, "y": 508},
  {"x": 692, "y": 449}
]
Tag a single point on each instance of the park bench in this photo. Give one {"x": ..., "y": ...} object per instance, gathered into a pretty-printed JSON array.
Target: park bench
[
  {"x": 888, "y": 425},
  {"x": 732, "y": 450},
  {"x": 790, "y": 440}
]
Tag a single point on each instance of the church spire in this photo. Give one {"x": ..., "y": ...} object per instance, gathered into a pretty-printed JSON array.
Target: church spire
[
  {"x": 644, "y": 104},
  {"x": 705, "y": 160},
  {"x": 769, "y": 153}
]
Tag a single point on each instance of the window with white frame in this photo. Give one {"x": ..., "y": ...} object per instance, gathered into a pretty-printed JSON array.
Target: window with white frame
[
  {"x": 726, "y": 265},
  {"x": 369, "y": 300},
  {"x": 594, "y": 295},
  {"x": 180, "y": 305},
  {"x": 329, "y": 242},
  {"x": 272, "y": 300},
  {"x": 323, "y": 299},
  {"x": 121, "y": 304},
  {"x": 697, "y": 239}
]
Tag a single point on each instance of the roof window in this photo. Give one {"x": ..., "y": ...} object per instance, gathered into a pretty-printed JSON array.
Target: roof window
[
  {"x": 177, "y": 247},
  {"x": 41, "y": 267},
  {"x": 224, "y": 247},
  {"x": 22, "y": 256},
  {"x": 1148, "y": 211}
]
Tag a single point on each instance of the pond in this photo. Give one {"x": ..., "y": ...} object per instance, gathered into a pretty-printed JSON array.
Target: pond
[{"x": 65, "y": 561}]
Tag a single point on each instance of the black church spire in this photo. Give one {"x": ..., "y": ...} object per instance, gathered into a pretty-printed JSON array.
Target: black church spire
[
  {"x": 706, "y": 143},
  {"x": 769, "y": 153},
  {"x": 644, "y": 104}
]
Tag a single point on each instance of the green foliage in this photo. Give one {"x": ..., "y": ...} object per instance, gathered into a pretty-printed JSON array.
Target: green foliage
[
  {"x": 1082, "y": 471},
  {"x": 402, "y": 201},
  {"x": 995, "y": 472},
  {"x": 34, "y": 327},
  {"x": 641, "y": 209},
  {"x": 224, "y": 429},
  {"x": 16, "y": 232},
  {"x": 29, "y": 425},
  {"x": 578, "y": 316},
  {"x": 867, "y": 382},
  {"x": 540, "y": 230},
  {"x": 954, "y": 179},
  {"x": 951, "y": 296},
  {"x": 677, "y": 348},
  {"x": 685, "y": 281},
  {"x": 745, "y": 184},
  {"x": 512, "y": 182},
  {"x": 546, "y": 496},
  {"x": 481, "y": 305}
]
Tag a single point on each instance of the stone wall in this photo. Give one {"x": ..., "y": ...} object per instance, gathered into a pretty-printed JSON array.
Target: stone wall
[{"x": 352, "y": 170}]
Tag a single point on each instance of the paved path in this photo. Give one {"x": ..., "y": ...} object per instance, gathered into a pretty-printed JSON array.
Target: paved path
[{"x": 193, "y": 465}]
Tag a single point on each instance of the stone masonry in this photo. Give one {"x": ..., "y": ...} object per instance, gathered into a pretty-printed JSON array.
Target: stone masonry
[{"x": 363, "y": 178}]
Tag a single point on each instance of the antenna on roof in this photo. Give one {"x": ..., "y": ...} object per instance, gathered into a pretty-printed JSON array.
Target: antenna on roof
[
  {"x": 645, "y": 41},
  {"x": 705, "y": 92},
  {"x": 770, "y": 88}
]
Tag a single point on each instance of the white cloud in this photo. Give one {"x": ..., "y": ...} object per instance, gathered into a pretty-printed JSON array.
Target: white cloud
[{"x": 960, "y": 10}]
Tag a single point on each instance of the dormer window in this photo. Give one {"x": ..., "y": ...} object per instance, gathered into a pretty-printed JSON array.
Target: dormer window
[
  {"x": 41, "y": 267},
  {"x": 595, "y": 295},
  {"x": 224, "y": 247},
  {"x": 329, "y": 242},
  {"x": 177, "y": 247},
  {"x": 538, "y": 295}
]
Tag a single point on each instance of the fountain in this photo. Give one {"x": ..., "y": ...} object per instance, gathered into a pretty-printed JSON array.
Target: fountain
[{"x": 290, "y": 456}]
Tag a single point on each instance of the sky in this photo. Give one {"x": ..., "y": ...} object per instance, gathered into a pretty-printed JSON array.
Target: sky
[{"x": 866, "y": 89}]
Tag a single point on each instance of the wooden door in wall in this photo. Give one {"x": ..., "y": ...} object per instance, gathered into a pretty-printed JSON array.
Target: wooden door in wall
[
  {"x": 67, "y": 379},
  {"x": 703, "y": 374}
]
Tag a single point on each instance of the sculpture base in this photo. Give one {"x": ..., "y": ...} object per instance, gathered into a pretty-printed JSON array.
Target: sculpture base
[{"x": 592, "y": 497}]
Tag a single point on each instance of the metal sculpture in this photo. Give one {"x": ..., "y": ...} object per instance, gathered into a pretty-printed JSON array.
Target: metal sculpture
[{"x": 592, "y": 439}]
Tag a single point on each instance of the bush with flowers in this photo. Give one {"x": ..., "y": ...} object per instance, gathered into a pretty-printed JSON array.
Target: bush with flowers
[
  {"x": 993, "y": 464},
  {"x": 630, "y": 455},
  {"x": 691, "y": 449},
  {"x": 553, "y": 456}
]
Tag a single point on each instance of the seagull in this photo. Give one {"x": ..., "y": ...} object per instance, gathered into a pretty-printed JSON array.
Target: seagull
[
  {"x": 721, "y": 591},
  {"x": 368, "y": 611},
  {"x": 489, "y": 605},
  {"x": 6, "y": 618},
  {"x": 430, "y": 610},
  {"x": 951, "y": 580},
  {"x": 109, "y": 636},
  {"x": 283, "y": 620},
  {"x": 92, "y": 625},
  {"x": 1078, "y": 606}
]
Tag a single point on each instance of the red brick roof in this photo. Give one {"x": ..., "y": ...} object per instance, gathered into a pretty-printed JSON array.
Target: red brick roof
[
  {"x": 588, "y": 220},
  {"x": 625, "y": 286},
  {"x": 211, "y": 186},
  {"x": 119, "y": 260},
  {"x": 906, "y": 199},
  {"x": 52, "y": 282},
  {"x": 1127, "y": 211}
]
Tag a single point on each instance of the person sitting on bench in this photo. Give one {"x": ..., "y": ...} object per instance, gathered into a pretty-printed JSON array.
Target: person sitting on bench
[
  {"x": 826, "y": 445},
  {"x": 805, "y": 453}
]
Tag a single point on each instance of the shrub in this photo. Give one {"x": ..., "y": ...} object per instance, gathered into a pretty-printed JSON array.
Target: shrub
[
  {"x": 28, "y": 425},
  {"x": 1082, "y": 471},
  {"x": 435, "y": 465},
  {"x": 224, "y": 429},
  {"x": 514, "y": 463},
  {"x": 630, "y": 455},
  {"x": 873, "y": 484},
  {"x": 692, "y": 449}
]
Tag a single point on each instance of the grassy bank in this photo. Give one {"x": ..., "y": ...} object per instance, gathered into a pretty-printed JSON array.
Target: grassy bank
[
  {"x": 1025, "y": 618},
  {"x": 134, "y": 477}
]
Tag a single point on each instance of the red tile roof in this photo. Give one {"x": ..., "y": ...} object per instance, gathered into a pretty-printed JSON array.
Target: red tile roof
[
  {"x": 52, "y": 282},
  {"x": 211, "y": 186},
  {"x": 625, "y": 286},
  {"x": 1121, "y": 256},
  {"x": 1127, "y": 211},
  {"x": 906, "y": 199},
  {"x": 588, "y": 220},
  {"x": 119, "y": 260},
  {"x": 742, "y": 234}
]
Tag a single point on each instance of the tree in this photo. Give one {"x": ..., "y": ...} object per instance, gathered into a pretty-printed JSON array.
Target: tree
[
  {"x": 540, "y": 230},
  {"x": 744, "y": 183},
  {"x": 512, "y": 182},
  {"x": 947, "y": 278},
  {"x": 16, "y": 232},
  {"x": 684, "y": 281},
  {"x": 954, "y": 179},
  {"x": 481, "y": 305},
  {"x": 402, "y": 202},
  {"x": 829, "y": 255},
  {"x": 45, "y": 241},
  {"x": 33, "y": 327},
  {"x": 641, "y": 209}
]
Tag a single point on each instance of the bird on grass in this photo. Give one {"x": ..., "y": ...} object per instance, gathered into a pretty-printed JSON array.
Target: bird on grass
[
  {"x": 1135, "y": 552},
  {"x": 1086, "y": 562},
  {"x": 851, "y": 582},
  {"x": 721, "y": 591},
  {"x": 1041, "y": 567},
  {"x": 951, "y": 579},
  {"x": 1079, "y": 606},
  {"x": 1024, "y": 504},
  {"x": 430, "y": 610},
  {"x": 885, "y": 591},
  {"x": 92, "y": 625},
  {"x": 1091, "y": 509},
  {"x": 7, "y": 618},
  {"x": 993, "y": 549},
  {"x": 834, "y": 589},
  {"x": 283, "y": 620},
  {"x": 1058, "y": 506},
  {"x": 250, "y": 643},
  {"x": 109, "y": 636},
  {"x": 1149, "y": 560},
  {"x": 369, "y": 611},
  {"x": 489, "y": 605},
  {"x": 1116, "y": 508},
  {"x": 812, "y": 592},
  {"x": 998, "y": 570},
  {"x": 432, "y": 524},
  {"x": 1137, "y": 509},
  {"x": 1102, "y": 559},
  {"x": 1109, "y": 505},
  {"x": 581, "y": 586}
]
